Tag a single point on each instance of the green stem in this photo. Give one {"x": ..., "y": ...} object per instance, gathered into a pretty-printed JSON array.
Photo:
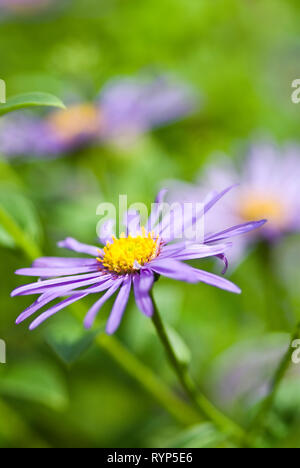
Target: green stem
[
  {"x": 202, "y": 404},
  {"x": 280, "y": 372},
  {"x": 146, "y": 378}
]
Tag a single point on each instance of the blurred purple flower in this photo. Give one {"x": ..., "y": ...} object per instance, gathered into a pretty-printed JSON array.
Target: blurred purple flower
[
  {"x": 131, "y": 106},
  {"x": 268, "y": 188},
  {"x": 26, "y": 135},
  {"x": 133, "y": 261},
  {"x": 125, "y": 109},
  {"x": 60, "y": 132}
]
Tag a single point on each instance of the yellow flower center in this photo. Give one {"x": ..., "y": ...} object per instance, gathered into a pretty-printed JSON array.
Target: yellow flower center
[
  {"x": 77, "y": 120},
  {"x": 256, "y": 207},
  {"x": 127, "y": 254}
]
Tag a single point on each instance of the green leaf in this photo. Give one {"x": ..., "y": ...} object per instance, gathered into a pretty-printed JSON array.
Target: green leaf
[
  {"x": 35, "y": 381},
  {"x": 22, "y": 212},
  {"x": 203, "y": 435},
  {"x": 22, "y": 101},
  {"x": 181, "y": 349},
  {"x": 68, "y": 338}
]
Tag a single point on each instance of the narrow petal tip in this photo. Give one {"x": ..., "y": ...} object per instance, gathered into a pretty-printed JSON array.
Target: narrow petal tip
[
  {"x": 62, "y": 243},
  {"x": 262, "y": 222},
  {"x": 20, "y": 272},
  {"x": 161, "y": 194},
  {"x": 87, "y": 324},
  {"x": 111, "y": 328},
  {"x": 258, "y": 224},
  {"x": 20, "y": 319},
  {"x": 109, "y": 331}
]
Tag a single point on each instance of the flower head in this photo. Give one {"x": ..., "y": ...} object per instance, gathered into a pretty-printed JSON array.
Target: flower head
[
  {"x": 128, "y": 254},
  {"x": 268, "y": 188},
  {"x": 126, "y": 108},
  {"x": 134, "y": 260}
]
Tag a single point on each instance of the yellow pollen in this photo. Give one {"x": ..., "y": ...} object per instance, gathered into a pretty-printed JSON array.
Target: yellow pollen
[
  {"x": 253, "y": 208},
  {"x": 76, "y": 120},
  {"x": 126, "y": 254}
]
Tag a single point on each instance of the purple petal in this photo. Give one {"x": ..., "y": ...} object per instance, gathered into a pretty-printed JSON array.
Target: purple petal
[
  {"x": 217, "y": 281},
  {"x": 174, "y": 247},
  {"x": 146, "y": 280},
  {"x": 52, "y": 272},
  {"x": 217, "y": 197},
  {"x": 200, "y": 211},
  {"x": 91, "y": 315},
  {"x": 34, "y": 288},
  {"x": 225, "y": 261},
  {"x": 73, "y": 244},
  {"x": 174, "y": 269},
  {"x": 54, "y": 262},
  {"x": 176, "y": 223},
  {"x": 132, "y": 222},
  {"x": 107, "y": 231},
  {"x": 119, "y": 307},
  {"x": 171, "y": 225},
  {"x": 107, "y": 283},
  {"x": 53, "y": 310},
  {"x": 154, "y": 216},
  {"x": 71, "y": 287},
  {"x": 194, "y": 251},
  {"x": 235, "y": 231},
  {"x": 142, "y": 285},
  {"x": 183, "y": 272},
  {"x": 38, "y": 304}
]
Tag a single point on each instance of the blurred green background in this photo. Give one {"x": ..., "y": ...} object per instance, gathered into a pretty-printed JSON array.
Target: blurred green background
[{"x": 58, "y": 388}]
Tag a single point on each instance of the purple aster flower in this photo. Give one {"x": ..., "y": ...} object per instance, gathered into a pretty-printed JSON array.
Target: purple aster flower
[
  {"x": 131, "y": 106},
  {"x": 268, "y": 188},
  {"x": 134, "y": 260},
  {"x": 62, "y": 131},
  {"x": 125, "y": 109}
]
